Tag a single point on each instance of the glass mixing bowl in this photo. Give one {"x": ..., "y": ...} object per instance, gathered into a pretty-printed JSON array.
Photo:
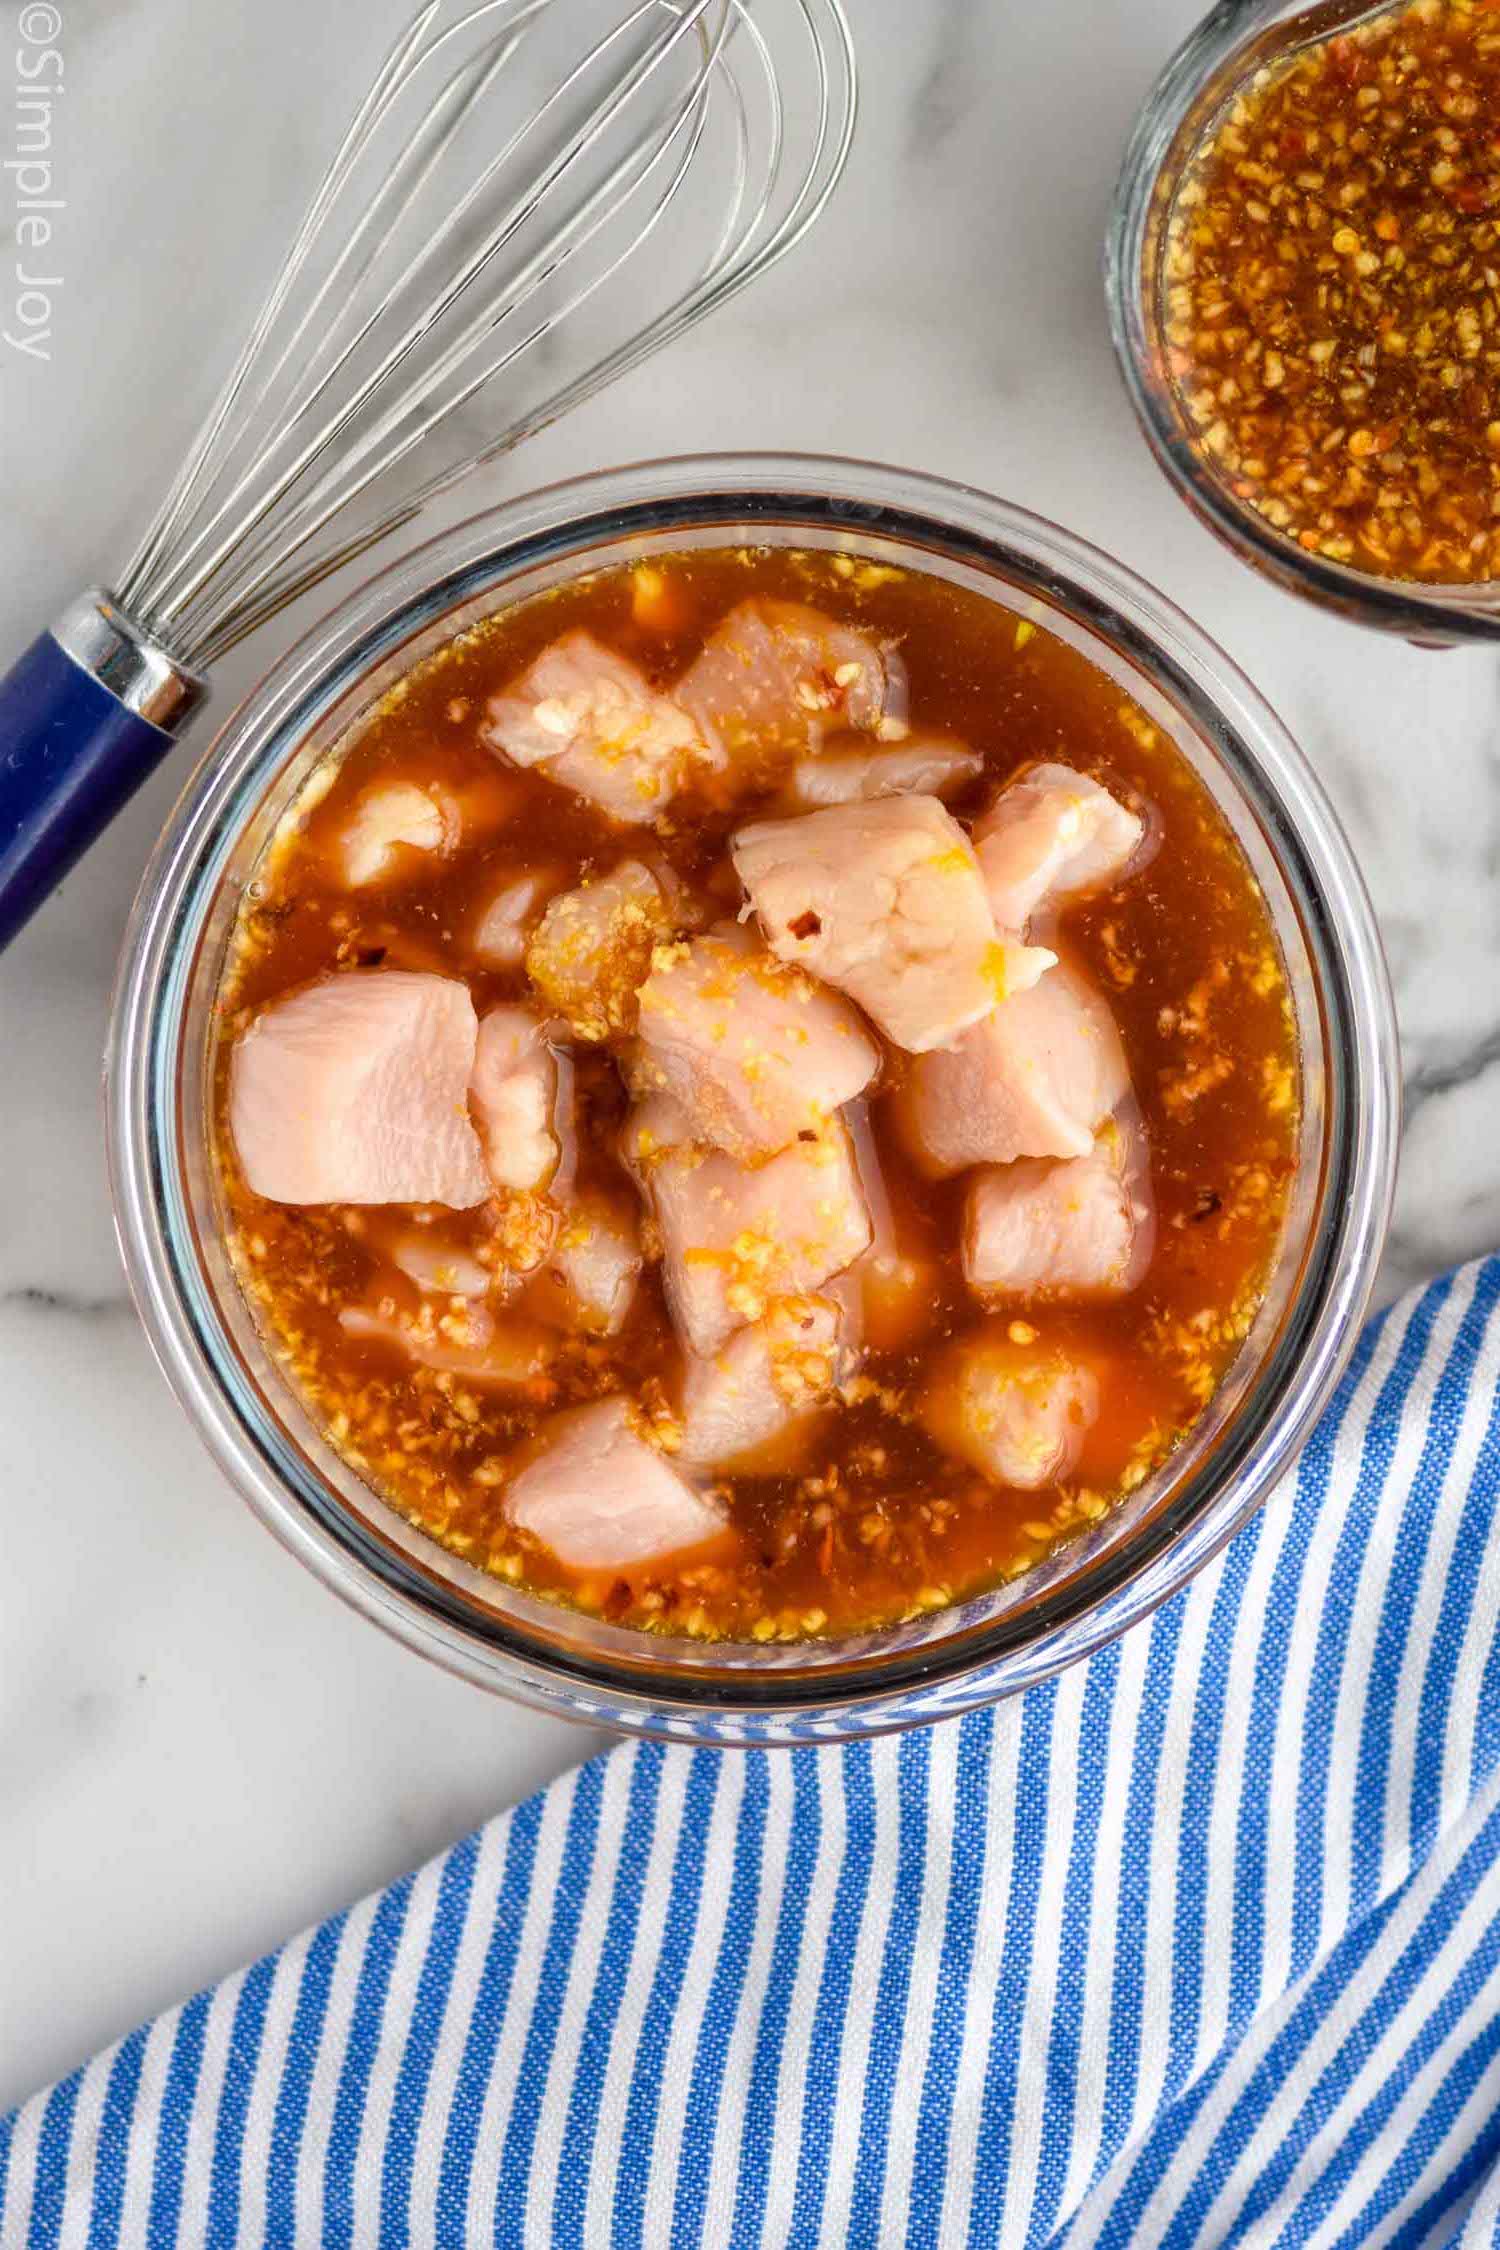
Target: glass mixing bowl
[
  {"x": 1233, "y": 39},
  {"x": 494, "y": 1633}
]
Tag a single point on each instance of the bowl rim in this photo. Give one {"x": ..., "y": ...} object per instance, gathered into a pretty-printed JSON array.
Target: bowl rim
[
  {"x": 1199, "y": 73},
  {"x": 854, "y": 498}
]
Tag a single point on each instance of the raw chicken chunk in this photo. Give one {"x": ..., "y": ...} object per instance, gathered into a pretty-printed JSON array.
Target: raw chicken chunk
[
  {"x": 902, "y": 1298},
  {"x": 774, "y": 677},
  {"x": 387, "y": 817},
  {"x": 513, "y": 1097},
  {"x": 467, "y": 1340},
  {"x": 886, "y": 901},
  {"x": 766, "y": 1379},
  {"x": 896, "y": 1284},
  {"x": 504, "y": 925},
  {"x": 439, "y": 1270},
  {"x": 737, "y": 1237},
  {"x": 1036, "y": 1078},
  {"x": 593, "y": 948},
  {"x": 754, "y": 1051},
  {"x": 354, "y": 1090},
  {"x": 660, "y": 601},
  {"x": 431, "y": 1251},
  {"x": 593, "y": 722},
  {"x": 655, "y": 1128},
  {"x": 602, "y": 1498},
  {"x": 1075, "y": 1227},
  {"x": 926, "y": 765},
  {"x": 487, "y": 800},
  {"x": 1016, "y": 1412},
  {"x": 589, "y": 1281},
  {"x": 1049, "y": 835}
]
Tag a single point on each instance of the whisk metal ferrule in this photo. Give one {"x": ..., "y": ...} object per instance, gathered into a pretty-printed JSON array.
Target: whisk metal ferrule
[{"x": 127, "y": 661}]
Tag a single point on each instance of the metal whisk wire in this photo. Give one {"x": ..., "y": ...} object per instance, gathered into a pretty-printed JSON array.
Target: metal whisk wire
[
  {"x": 423, "y": 272},
  {"x": 466, "y": 86},
  {"x": 184, "y": 582}
]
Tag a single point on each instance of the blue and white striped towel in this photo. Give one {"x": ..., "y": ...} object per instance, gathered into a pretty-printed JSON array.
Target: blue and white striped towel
[{"x": 1198, "y": 1944}]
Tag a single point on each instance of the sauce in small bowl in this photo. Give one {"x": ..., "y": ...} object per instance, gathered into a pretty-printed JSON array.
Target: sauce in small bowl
[{"x": 1304, "y": 272}]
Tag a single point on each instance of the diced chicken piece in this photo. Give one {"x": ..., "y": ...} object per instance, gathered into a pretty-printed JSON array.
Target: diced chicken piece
[
  {"x": 660, "y": 601},
  {"x": 354, "y": 1090},
  {"x": 469, "y": 1341},
  {"x": 1036, "y": 1078},
  {"x": 394, "y": 814},
  {"x": 593, "y": 722},
  {"x": 902, "y": 1297},
  {"x": 439, "y": 1270},
  {"x": 1049, "y": 836},
  {"x": 768, "y": 1378},
  {"x": 846, "y": 1295},
  {"x": 589, "y": 1280},
  {"x": 592, "y": 950},
  {"x": 754, "y": 1051},
  {"x": 434, "y": 1256},
  {"x": 886, "y": 901},
  {"x": 1076, "y": 1227},
  {"x": 691, "y": 906},
  {"x": 487, "y": 800},
  {"x": 602, "y": 1498},
  {"x": 513, "y": 1097},
  {"x": 654, "y": 1128},
  {"x": 569, "y": 1115},
  {"x": 897, "y": 1284},
  {"x": 737, "y": 1237},
  {"x": 774, "y": 677},
  {"x": 930, "y": 765},
  {"x": 1017, "y": 1412},
  {"x": 504, "y": 925}
]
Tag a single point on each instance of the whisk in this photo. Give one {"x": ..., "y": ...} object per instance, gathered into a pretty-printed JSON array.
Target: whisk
[{"x": 516, "y": 175}]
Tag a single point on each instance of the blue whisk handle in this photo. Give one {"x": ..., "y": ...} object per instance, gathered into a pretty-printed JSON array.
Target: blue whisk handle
[{"x": 85, "y": 715}]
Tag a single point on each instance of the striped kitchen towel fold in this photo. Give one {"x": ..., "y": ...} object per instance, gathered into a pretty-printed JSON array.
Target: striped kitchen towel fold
[{"x": 1198, "y": 1944}]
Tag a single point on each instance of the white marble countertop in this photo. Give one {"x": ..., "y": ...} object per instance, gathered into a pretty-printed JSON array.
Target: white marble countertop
[{"x": 200, "y": 1750}]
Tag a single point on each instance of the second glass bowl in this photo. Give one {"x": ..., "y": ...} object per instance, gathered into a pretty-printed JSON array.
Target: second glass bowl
[
  {"x": 497, "y": 1634},
  {"x": 1234, "y": 39}
]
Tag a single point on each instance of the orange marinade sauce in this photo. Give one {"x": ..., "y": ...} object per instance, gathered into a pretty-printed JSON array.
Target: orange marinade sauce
[
  {"x": 1332, "y": 294},
  {"x": 867, "y": 1520}
]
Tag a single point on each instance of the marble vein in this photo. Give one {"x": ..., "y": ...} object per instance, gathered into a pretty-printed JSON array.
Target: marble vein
[
  {"x": 66, "y": 1304},
  {"x": 946, "y": 92},
  {"x": 1429, "y": 1081}
]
